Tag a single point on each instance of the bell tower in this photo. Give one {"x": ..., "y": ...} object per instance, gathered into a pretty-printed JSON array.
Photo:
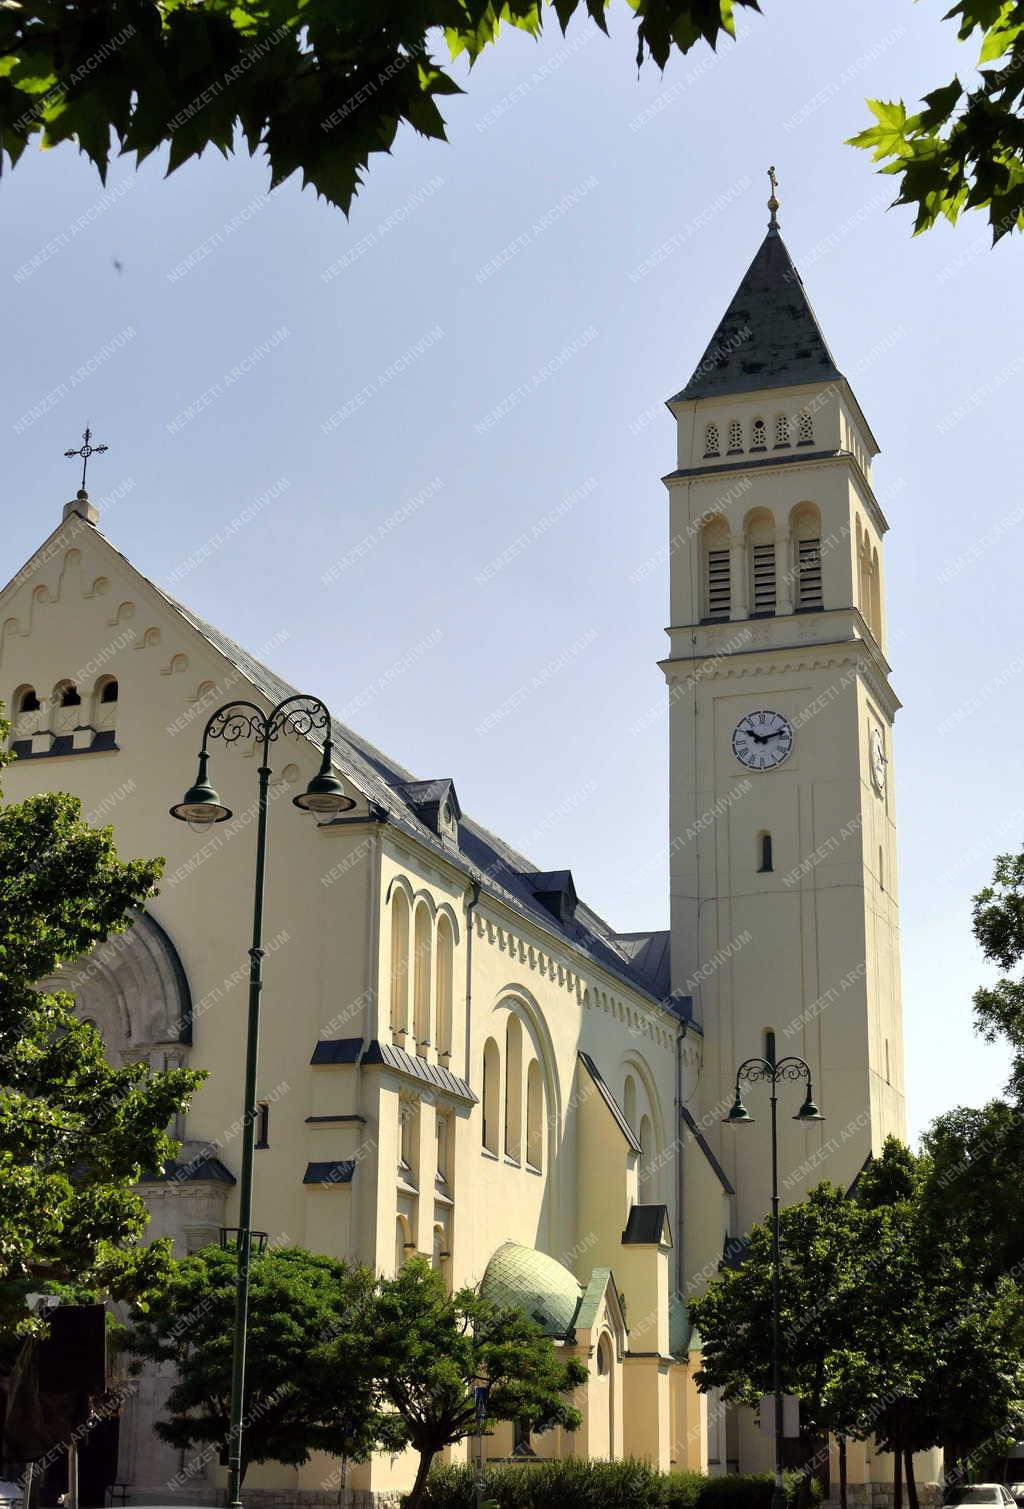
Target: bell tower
[{"x": 785, "y": 923}]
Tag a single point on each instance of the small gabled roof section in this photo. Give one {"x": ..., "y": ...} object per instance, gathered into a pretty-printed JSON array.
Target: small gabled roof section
[
  {"x": 387, "y": 1056},
  {"x": 197, "y": 1162},
  {"x": 331, "y": 1171},
  {"x": 600, "y": 1283},
  {"x": 703, "y": 1144},
  {"x": 769, "y": 336},
  {"x": 337, "y": 1050},
  {"x": 632, "y": 1141},
  {"x": 647, "y": 1226},
  {"x": 556, "y": 892},
  {"x": 435, "y": 803}
]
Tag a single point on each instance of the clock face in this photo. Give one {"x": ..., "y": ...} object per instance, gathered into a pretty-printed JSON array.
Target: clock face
[
  {"x": 877, "y": 760},
  {"x": 762, "y": 740}
]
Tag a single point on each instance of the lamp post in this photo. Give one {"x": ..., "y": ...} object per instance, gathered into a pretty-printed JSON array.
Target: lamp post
[
  {"x": 200, "y": 807},
  {"x": 773, "y": 1071}
]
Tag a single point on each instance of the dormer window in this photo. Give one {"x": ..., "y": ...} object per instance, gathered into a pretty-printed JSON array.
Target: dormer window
[
  {"x": 712, "y": 443},
  {"x": 735, "y": 437},
  {"x": 436, "y": 805},
  {"x": 758, "y": 436}
]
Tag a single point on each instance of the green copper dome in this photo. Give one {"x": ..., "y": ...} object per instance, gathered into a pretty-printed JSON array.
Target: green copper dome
[{"x": 521, "y": 1278}]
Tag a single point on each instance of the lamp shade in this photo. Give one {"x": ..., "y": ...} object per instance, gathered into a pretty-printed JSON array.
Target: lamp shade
[
  {"x": 808, "y": 1111},
  {"x": 739, "y": 1115},
  {"x": 325, "y": 796},
  {"x": 201, "y": 805}
]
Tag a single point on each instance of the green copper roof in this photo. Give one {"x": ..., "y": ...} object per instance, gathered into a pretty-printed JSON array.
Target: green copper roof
[
  {"x": 768, "y": 337},
  {"x": 521, "y": 1278}
]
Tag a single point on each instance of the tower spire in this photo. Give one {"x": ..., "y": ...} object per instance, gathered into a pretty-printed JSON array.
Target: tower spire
[{"x": 773, "y": 203}]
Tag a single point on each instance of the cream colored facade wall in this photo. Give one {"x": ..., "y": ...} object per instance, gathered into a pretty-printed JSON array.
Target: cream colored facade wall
[{"x": 80, "y": 612}]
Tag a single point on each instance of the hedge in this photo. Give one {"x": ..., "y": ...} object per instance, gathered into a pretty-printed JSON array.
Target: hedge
[{"x": 572, "y": 1483}]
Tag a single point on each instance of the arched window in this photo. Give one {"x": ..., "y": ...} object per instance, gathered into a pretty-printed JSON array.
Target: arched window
[
  {"x": 534, "y": 1116},
  {"x": 491, "y": 1086},
  {"x": 758, "y": 436},
  {"x": 629, "y": 1100},
  {"x": 28, "y": 715},
  {"x": 604, "y": 1357},
  {"x": 717, "y": 581},
  {"x": 761, "y": 561},
  {"x": 442, "y": 1159},
  {"x": 421, "y": 976},
  {"x": 764, "y": 854},
  {"x": 408, "y": 1140},
  {"x": 440, "y": 1256},
  {"x": 768, "y": 1045},
  {"x": 646, "y": 1172},
  {"x": 403, "y": 1242},
  {"x": 876, "y": 597},
  {"x": 108, "y": 690},
  {"x": 712, "y": 443},
  {"x": 399, "y": 961},
  {"x": 735, "y": 437},
  {"x": 26, "y": 701},
  {"x": 804, "y": 429},
  {"x": 781, "y": 431},
  {"x": 444, "y": 985},
  {"x": 69, "y": 695},
  {"x": 807, "y": 542},
  {"x": 513, "y": 1088},
  {"x": 104, "y": 709},
  {"x": 67, "y": 704}
]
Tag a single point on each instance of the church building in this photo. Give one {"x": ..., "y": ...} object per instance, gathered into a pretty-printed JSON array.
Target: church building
[{"x": 458, "y": 1056}]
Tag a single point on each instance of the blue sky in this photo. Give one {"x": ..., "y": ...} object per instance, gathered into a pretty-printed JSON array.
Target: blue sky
[{"x": 414, "y": 457}]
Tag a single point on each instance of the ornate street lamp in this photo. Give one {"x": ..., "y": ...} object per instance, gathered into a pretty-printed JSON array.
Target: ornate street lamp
[
  {"x": 768, "y": 1069},
  {"x": 325, "y": 797}
]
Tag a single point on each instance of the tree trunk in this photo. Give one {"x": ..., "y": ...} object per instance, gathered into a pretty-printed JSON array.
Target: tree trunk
[
  {"x": 911, "y": 1481},
  {"x": 897, "y": 1474},
  {"x": 419, "y": 1487},
  {"x": 842, "y": 1472}
]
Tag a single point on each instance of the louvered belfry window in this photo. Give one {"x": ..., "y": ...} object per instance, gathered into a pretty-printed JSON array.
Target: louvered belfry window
[
  {"x": 735, "y": 435},
  {"x": 809, "y": 563},
  {"x": 781, "y": 430},
  {"x": 711, "y": 441},
  {"x": 805, "y": 429},
  {"x": 763, "y": 564},
  {"x": 718, "y": 585}
]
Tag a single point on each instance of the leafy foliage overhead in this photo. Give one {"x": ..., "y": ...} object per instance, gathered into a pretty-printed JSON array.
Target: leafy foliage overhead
[
  {"x": 965, "y": 148},
  {"x": 317, "y": 86}
]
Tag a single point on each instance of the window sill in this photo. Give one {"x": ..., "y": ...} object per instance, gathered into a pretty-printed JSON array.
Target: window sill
[
  {"x": 485, "y": 1152},
  {"x": 511, "y": 1162},
  {"x": 531, "y": 1168}
]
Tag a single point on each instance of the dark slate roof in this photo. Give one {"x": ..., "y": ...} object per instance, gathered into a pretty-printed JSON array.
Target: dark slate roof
[
  {"x": 650, "y": 956},
  {"x": 703, "y": 1144},
  {"x": 196, "y": 1161},
  {"x": 417, "y": 1068},
  {"x": 768, "y": 337},
  {"x": 609, "y": 1099},
  {"x": 499, "y": 869},
  {"x": 646, "y": 1226},
  {"x": 337, "y": 1050},
  {"x": 334, "y": 1171},
  {"x": 422, "y": 793}
]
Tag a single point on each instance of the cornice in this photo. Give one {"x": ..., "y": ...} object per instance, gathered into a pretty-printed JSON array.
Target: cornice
[
  {"x": 854, "y": 653},
  {"x": 782, "y": 464}
]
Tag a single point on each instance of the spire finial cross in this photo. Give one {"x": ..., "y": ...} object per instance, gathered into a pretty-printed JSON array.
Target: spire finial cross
[
  {"x": 773, "y": 203},
  {"x": 85, "y": 451}
]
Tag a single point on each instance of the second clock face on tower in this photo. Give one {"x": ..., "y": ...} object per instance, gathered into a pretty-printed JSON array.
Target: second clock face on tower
[{"x": 762, "y": 740}]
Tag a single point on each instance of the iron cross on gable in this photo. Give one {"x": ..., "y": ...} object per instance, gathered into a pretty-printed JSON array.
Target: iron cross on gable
[{"x": 85, "y": 451}]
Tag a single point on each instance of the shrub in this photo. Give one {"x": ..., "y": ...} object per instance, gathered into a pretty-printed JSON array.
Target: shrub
[{"x": 572, "y": 1483}]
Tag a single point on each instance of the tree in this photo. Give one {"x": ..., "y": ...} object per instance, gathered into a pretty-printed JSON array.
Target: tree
[
  {"x": 305, "y": 1311},
  {"x": 887, "y": 1330},
  {"x": 75, "y": 1133},
  {"x": 965, "y": 148},
  {"x": 431, "y": 1350},
  {"x": 998, "y": 919}
]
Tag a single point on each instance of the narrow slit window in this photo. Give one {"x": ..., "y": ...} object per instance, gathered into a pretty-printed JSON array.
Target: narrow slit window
[
  {"x": 769, "y": 1044},
  {"x": 763, "y": 567},
  {"x": 881, "y": 870},
  {"x": 263, "y": 1124},
  {"x": 718, "y": 584},
  {"x": 809, "y": 568},
  {"x": 712, "y": 443},
  {"x": 764, "y": 853},
  {"x": 735, "y": 437}
]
